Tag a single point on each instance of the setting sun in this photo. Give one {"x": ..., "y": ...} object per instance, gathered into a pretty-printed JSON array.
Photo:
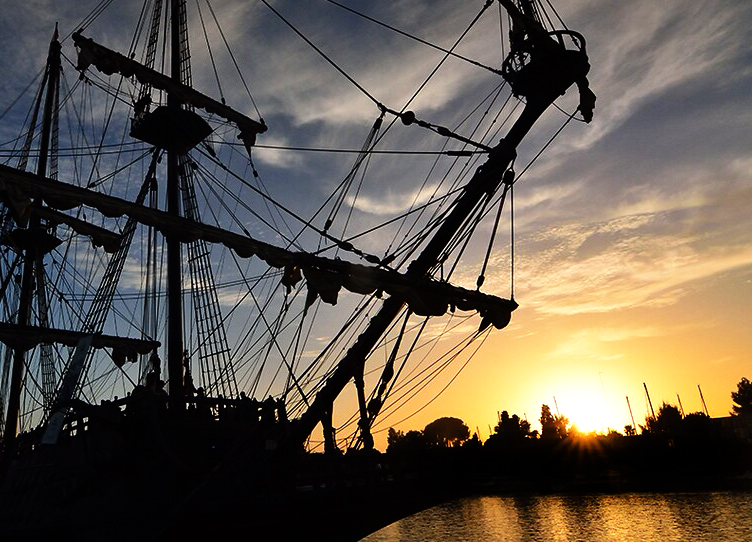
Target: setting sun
[{"x": 586, "y": 408}]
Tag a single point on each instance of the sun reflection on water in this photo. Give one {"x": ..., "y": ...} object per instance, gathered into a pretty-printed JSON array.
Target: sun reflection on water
[{"x": 644, "y": 517}]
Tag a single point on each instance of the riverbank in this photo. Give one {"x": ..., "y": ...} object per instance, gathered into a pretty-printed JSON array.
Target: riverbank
[{"x": 602, "y": 464}]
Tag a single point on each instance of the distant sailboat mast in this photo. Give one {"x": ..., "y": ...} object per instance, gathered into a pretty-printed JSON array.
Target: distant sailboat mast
[
  {"x": 634, "y": 426},
  {"x": 650, "y": 403},
  {"x": 704, "y": 406}
]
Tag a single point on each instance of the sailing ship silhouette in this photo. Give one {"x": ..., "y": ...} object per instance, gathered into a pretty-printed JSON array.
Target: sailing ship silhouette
[{"x": 116, "y": 442}]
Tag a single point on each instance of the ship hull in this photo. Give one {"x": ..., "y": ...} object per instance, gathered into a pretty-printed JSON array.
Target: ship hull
[{"x": 177, "y": 477}]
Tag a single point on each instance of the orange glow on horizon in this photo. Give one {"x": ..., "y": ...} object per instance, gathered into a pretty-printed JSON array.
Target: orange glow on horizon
[{"x": 585, "y": 407}]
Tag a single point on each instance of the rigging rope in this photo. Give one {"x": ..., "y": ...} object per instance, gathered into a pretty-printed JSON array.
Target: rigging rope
[
  {"x": 260, "y": 180},
  {"x": 412, "y": 37},
  {"x": 272, "y": 333},
  {"x": 322, "y": 54},
  {"x": 234, "y": 61},
  {"x": 493, "y": 95},
  {"x": 420, "y": 381},
  {"x": 21, "y": 95},
  {"x": 471, "y": 340},
  {"x": 93, "y": 15},
  {"x": 561, "y": 21},
  {"x": 238, "y": 199},
  {"x": 508, "y": 179},
  {"x": 543, "y": 149},
  {"x": 511, "y": 241},
  {"x": 456, "y": 43},
  {"x": 437, "y": 219},
  {"x": 307, "y": 223},
  {"x": 211, "y": 53},
  {"x": 503, "y": 40},
  {"x": 347, "y": 183},
  {"x": 361, "y": 151},
  {"x": 352, "y": 80}
]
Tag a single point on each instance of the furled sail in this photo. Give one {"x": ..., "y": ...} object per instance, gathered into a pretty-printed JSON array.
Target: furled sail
[
  {"x": 28, "y": 337},
  {"x": 108, "y": 240},
  {"x": 325, "y": 276},
  {"x": 108, "y": 62}
]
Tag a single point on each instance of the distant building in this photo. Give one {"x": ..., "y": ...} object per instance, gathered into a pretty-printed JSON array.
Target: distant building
[{"x": 739, "y": 427}]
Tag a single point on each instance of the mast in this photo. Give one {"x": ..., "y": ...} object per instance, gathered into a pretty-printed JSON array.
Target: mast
[
  {"x": 34, "y": 249},
  {"x": 634, "y": 426},
  {"x": 175, "y": 128},
  {"x": 174, "y": 263},
  {"x": 546, "y": 72},
  {"x": 539, "y": 69},
  {"x": 702, "y": 398},
  {"x": 650, "y": 403}
]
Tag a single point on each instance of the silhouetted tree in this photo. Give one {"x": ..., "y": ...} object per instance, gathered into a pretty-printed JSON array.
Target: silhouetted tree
[
  {"x": 410, "y": 442},
  {"x": 446, "y": 432},
  {"x": 669, "y": 418},
  {"x": 667, "y": 422},
  {"x": 473, "y": 443},
  {"x": 552, "y": 427},
  {"x": 629, "y": 430},
  {"x": 512, "y": 429},
  {"x": 697, "y": 424},
  {"x": 742, "y": 398},
  {"x": 393, "y": 436}
]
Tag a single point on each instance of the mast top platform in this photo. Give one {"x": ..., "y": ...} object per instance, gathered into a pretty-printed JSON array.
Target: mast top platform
[{"x": 109, "y": 62}]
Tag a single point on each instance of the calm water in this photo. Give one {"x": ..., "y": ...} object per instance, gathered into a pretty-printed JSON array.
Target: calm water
[{"x": 712, "y": 516}]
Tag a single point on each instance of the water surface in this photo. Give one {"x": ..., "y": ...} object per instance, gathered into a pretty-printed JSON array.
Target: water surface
[{"x": 636, "y": 517}]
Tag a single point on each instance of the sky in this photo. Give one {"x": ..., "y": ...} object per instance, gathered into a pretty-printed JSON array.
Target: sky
[{"x": 633, "y": 234}]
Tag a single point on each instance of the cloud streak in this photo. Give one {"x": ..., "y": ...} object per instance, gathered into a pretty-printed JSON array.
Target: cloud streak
[{"x": 597, "y": 268}]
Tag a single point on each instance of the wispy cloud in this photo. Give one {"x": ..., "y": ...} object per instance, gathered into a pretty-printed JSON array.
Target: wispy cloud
[
  {"x": 277, "y": 158},
  {"x": 392, "y": 202},
  {"x": 646, "y": 48},
  {"x": 592, "y": 269}
]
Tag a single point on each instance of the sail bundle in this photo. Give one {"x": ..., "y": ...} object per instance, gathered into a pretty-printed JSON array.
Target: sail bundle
[
  {"x": 28, "y": 337},
  {"x": 325, "y": 276},
  {"x": 108, "y": 62}
]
